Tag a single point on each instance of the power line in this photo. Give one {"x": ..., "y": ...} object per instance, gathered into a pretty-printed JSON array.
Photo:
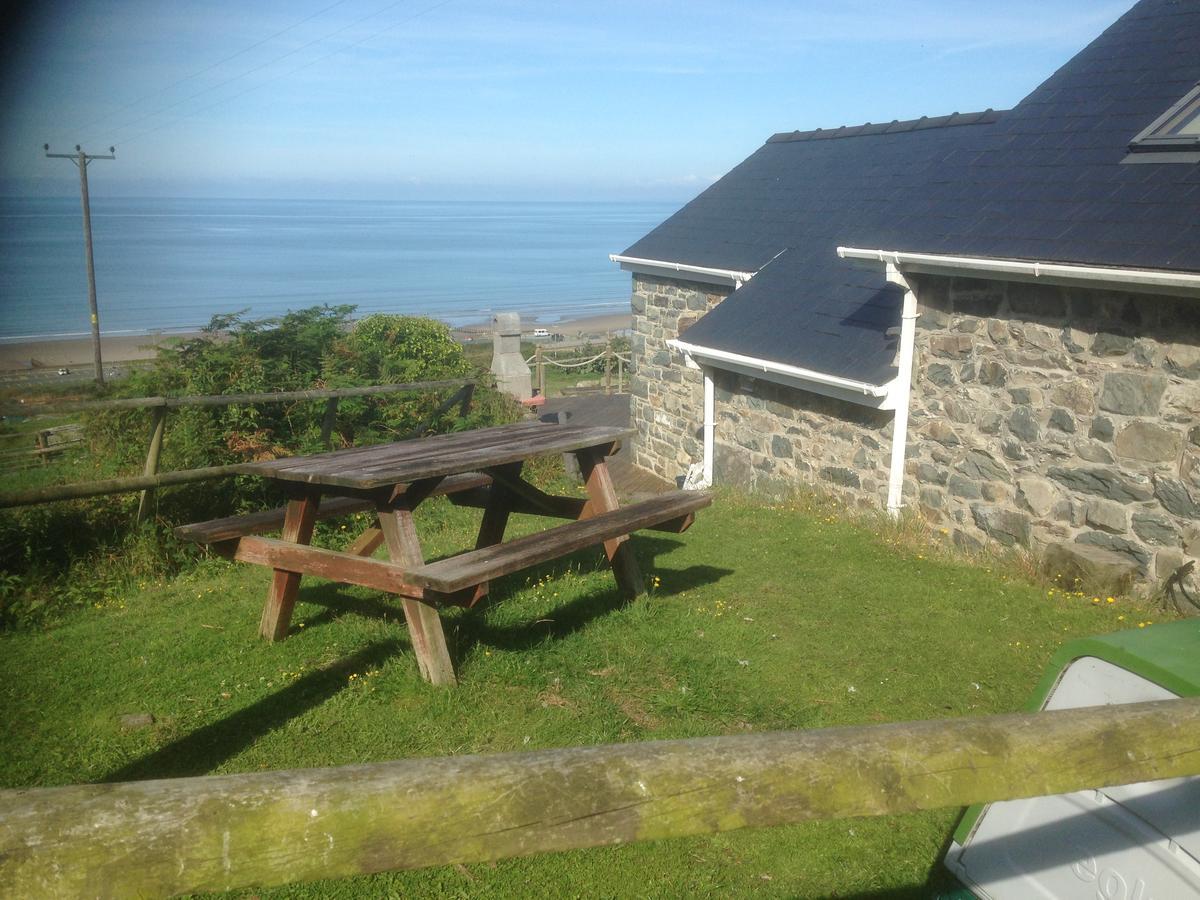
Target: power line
[
  {"x": 299, "y": 68},
  {"x": 108, "y": 116},
  {"x": 259, "y": 67}
]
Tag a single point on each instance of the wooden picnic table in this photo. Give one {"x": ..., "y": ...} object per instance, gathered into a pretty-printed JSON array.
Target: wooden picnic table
[{"x": 480, "y": 468}]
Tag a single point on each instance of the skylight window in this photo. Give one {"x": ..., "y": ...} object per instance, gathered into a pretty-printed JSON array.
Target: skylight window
[{"x": 1176, "y": 129}]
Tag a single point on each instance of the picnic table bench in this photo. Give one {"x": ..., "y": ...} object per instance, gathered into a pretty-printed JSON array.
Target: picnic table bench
[{"x": 481, "y": 469}]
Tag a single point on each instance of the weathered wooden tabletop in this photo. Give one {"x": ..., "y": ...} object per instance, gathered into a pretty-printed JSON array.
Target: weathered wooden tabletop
[{"x": 444, "y": 454}]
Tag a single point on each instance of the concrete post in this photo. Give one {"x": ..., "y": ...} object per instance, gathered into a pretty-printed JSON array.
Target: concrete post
[{"x": 509, "y": 367}]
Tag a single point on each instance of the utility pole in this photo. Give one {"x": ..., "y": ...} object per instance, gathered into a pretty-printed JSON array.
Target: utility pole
[{"x": 81, "y": 160}]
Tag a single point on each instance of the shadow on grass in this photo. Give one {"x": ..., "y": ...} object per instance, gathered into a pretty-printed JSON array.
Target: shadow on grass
[
  {"x": 201, "y": 751},
  {"x": 470, "y": 629},
  {"x": 939, "y": 885}
]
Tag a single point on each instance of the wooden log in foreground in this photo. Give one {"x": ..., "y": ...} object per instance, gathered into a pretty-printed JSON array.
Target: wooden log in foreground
[{"x": 154, "y": 838}]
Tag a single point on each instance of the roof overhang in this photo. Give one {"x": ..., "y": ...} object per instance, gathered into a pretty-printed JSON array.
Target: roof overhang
[
  {"x": 877, "y": 396},
  {"x": 667, "y": 269},
  {"x": 1149, "y": 281}
]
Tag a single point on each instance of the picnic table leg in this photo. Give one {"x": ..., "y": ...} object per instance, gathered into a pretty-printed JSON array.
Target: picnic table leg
[
  {"x": 366, "y": 543},
  {"x": 499, "y": 505},
  {"x": 424, "y": 623},
  {"x": 298, "y": 528},
  {"x": 602, "y": 497}
]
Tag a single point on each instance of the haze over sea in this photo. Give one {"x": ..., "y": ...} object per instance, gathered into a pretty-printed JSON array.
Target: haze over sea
[{"x": 172, "y": 264}]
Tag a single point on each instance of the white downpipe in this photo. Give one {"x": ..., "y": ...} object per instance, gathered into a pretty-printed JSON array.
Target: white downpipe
[
  {"x": 1149, "y": 280},
  {"x": 903, "y": 389},
  {"x": 710, "y": 417}
]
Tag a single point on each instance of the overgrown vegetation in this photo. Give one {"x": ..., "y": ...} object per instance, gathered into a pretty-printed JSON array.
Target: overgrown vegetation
[
  {"x": 761, "y": 617},
  {"x": 66, "y": 555}
]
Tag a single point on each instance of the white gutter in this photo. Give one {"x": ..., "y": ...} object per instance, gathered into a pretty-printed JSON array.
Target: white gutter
[
  {"x": 664, "y": 267},
  {"x": 768, "y": 367},
  {"x": 1145, "y": 280},
  {"x": 903, "y": 391}
]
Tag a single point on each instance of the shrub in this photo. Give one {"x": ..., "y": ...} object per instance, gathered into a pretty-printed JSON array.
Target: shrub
[{"x": 85, "y": 545}]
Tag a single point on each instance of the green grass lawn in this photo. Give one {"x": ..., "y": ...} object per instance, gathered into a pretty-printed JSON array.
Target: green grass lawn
[{"x": 761, "y": 618}]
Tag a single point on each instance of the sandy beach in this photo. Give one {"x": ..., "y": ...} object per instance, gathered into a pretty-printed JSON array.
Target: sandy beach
[{"x": 53, "y": 353}]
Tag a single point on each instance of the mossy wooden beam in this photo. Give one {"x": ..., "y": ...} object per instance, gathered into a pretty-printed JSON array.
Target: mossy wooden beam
[{"x": 154, "y": 838}]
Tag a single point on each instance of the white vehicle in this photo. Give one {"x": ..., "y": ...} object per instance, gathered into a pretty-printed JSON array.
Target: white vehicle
[{"x": 541, "y": 332}]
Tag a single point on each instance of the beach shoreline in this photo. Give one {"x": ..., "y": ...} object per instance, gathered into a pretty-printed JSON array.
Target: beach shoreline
[{"x": 54, "y": 352}]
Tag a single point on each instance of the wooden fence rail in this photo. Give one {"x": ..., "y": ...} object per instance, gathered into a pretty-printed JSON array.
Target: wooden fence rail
[
  {"x": 151, "y": 478},
  {"x": 155, "y": 838},
  {"x": 37, "y": 409}
]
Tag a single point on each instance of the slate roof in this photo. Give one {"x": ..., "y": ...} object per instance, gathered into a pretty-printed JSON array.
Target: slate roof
[{"x": 1042, "y": 181}]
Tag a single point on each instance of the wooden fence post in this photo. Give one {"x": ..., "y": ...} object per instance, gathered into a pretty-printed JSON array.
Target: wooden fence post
[
  {"x": 620, "y": 375},
  {"x": 608, "y": 355},
  {"x": 328, "y": 422},
  {"x": 158, "y": 424},
  {"x": 541, "y": 371},
  {"x": 468, "y": 393}
]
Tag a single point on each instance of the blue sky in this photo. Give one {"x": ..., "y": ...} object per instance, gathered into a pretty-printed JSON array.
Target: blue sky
[{"x": 512, "y": 99}]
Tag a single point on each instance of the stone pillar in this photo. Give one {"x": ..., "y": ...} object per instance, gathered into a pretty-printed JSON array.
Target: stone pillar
[{"x": 509, "y": 367}]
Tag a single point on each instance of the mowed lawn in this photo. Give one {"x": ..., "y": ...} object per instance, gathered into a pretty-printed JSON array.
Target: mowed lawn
[{"x": 760, "y": 618}]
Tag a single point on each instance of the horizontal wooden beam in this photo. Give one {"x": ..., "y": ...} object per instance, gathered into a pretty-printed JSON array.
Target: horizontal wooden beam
[
  {"x": 226, "y": 832},
  {"x": 263, "y": 521},
  {"x": 486, "y": 563},
  {"x": 37, "y": 409},
  {"x": 557, "y": 507},
  {"x": 329, "y": 564},
  {"x": 113, "y": 486}
]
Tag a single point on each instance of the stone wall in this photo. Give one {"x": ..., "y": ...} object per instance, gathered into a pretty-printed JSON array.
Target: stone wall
[
  {"x": 667, "y": 403},
  {"x": 1062, "y": 420}
]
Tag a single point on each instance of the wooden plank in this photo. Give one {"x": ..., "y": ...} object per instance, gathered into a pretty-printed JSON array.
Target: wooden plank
[
  {"x": 281, "y": 598},
  {"x": 397, "y": 451},
  {"x": 232, "y": 832},
  {"x": 495, "y": 454},
  {"x": 264, "y": 521},
  {"x": 561, "y": 508},
  {"x": 439, "y": 455},
  {"x": 329, "y": 564},
  {"x": 424, "y": 623},
  {"x": 393, "y": 457},
  {"x": 331, "y": 508},
  {"x": 477, "y": 566},
  {"x": 602, "y": 500}
]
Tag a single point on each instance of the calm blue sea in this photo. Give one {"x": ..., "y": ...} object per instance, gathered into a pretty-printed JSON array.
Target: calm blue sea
[{"x": 166, "y": 264}]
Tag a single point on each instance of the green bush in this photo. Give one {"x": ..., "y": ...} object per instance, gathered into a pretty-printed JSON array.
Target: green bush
[{"x": 56, "y": 556}]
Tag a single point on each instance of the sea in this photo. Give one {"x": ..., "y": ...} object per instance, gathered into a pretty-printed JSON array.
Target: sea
[{"x": 170, "y": 265}]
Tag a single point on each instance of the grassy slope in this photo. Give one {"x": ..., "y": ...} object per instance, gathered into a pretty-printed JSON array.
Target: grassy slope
[{"x": 764, "y": 618}]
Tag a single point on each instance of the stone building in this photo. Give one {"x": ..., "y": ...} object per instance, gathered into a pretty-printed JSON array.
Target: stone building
[{"x": 993, "y": 318}]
